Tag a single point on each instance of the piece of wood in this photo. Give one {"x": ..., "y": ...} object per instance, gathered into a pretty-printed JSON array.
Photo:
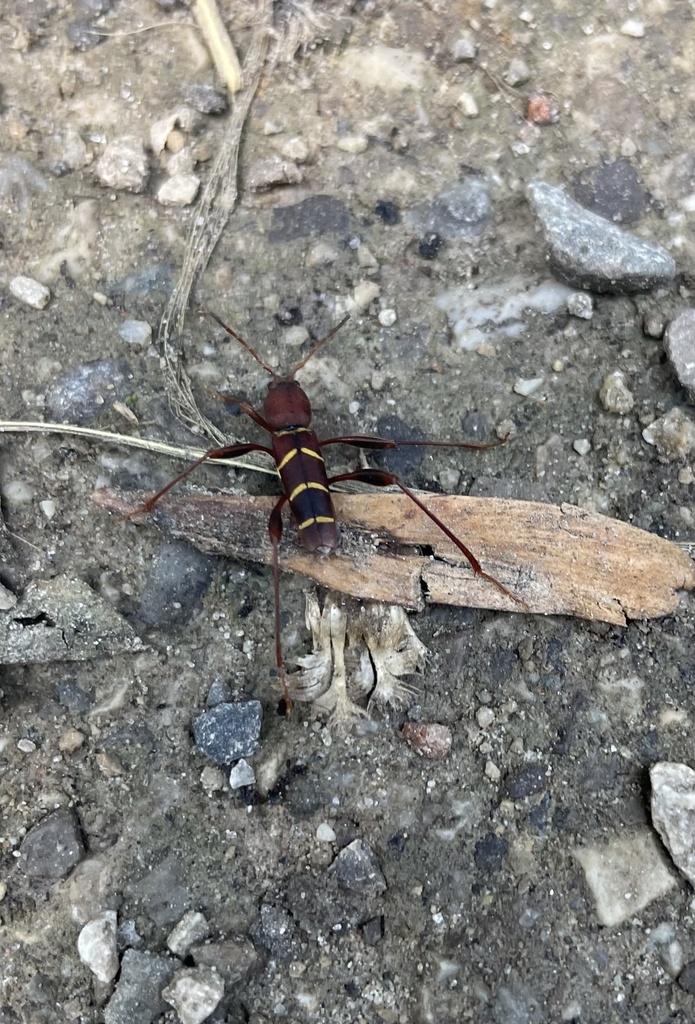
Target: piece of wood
[{"x": 560, "y": 560}]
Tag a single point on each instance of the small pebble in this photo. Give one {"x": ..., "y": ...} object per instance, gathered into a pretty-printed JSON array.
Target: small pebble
[
  {"x": 358, "y": 870},
  {"x": 580, "y": 304},
  {"x": 364, "y": 293},
  {"x": 526, "y": 386},
  {"x": 673, "y": 435},
  {"x": 271, "y": 171},
  {"x": 558, "y": 366},
  {"x": 27, "y": 746},
  {"x": 194, "y": 993},
  {"x": 295, "y": 336},
  {"x": 582, "y": 446},
  {"x": 388, "y": 212},
  {"x": 366, "y": 258},
  {"x": 242, "y": 774},
  {"x": 485, "y": 717},
  {"x": 97, "y": 946},
  {"x": 212, "y": 779},
  {"x": 353, "y": 144},
  {"x": 632, "y": 27},
  {"x": 321, "y": 254},
  {"x": 123, "y": 165},
  {"x": 464, "y": 48},
  {"x": 492, "y": 772},
  {"x": 296, "y": 149},
  {"x": 387, "y": 317},
  {"x": 325, "y": 834},
  {"x": 615, "y": 395},
  {"x": 428, "y": 739},
  {"x": 135, "y": 332},
  {"x": 48, "y": 507},
  {"x": 179, "y": 190},
  {"x": 654, "y": 324},
  {"x": 193, "y": 927},
  {"x": 467, "y": 105},
  {"x": 70, "y": 741},
  {"x": 205, "y": 98},
  {"x": 30, "y": 292},
  {"x": 229, "y": 731}
]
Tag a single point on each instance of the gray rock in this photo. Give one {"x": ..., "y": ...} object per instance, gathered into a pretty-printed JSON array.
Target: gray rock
[
  {"x": 358, "y": 870},
  {"x": 53, "y": 847},
  {"x": 588, "y": 251},
  {"x": 673, "y": 812},
  {"x": 461, "y": 211},
  {"x": 137, "y": 998},
  {"x": 672, "y": 434},
  {"x": 97, "y": 948},
  {"x": 679, "y": 342},
  {"x": 275, "y": 930},
  {"x": 62, "y": 620},
  {"x": 229, "y": 731}
]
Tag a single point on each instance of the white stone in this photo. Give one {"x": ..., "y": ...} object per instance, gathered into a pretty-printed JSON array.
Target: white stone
[
  {"x": 633, "y": 27},
  {"x": 242, "y": 774},
  {"x": 194, "y": 993},
  {"x": 193, "y": 927},
  {"x": 387, "y": 317},
  {"x": 30, "y": 292},
  {"x": 467, "y": 105},
  {"x": 97, "y": 946},
  {"x": 580, "y": 304},
  {"x": 353, "y": 144},
  {"x": 325, "y": 834},
  {"x": 179, "y": 190},
  {"x": 526, "y": 386},
  {"x": 582, "y": 446}
]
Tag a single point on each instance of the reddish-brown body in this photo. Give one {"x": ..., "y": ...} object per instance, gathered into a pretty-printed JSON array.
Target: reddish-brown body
[{"x": 296, "y": 450}]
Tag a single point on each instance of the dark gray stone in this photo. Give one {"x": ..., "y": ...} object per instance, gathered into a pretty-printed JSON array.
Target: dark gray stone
[
  {"x": 530, "y": 779},
  {"x": 275, "y": 931},
  {"x": 612, "y": 190},
  {"x": 177, "y": 579},
  {"x": 229, "y": 731},
  {"x": 317, "y": 215},
  {"x": 588, "y": 251},
  {"x": 53, "y": 847},
  {"x": 490, "y": 853},
  {"x": 137, "y": 998},
  {"x": 358, "y": 870}
]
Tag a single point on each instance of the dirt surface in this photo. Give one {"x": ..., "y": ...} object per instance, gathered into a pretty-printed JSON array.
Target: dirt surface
[{"x": 485, "y": 913}]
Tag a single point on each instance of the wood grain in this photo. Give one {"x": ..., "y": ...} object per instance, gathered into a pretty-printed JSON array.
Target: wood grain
[{"x": 559, "y": 560}]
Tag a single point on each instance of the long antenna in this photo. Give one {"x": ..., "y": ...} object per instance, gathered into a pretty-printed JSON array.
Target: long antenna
[
  {"x": 316, "y": 346},
  {"x": 246, "y": 345}
]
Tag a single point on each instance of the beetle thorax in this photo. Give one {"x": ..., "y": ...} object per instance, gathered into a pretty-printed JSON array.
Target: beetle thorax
[{"x": 286, "y": 405}]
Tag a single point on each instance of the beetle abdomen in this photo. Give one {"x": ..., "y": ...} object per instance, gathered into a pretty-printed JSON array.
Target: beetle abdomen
[{"x": 303, "y": 474}]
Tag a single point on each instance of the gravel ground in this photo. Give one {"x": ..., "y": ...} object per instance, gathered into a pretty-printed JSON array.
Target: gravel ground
[{"x": 384, "y": 172}]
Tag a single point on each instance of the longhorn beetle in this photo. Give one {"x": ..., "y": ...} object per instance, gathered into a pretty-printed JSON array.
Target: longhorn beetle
[{"x": 296, "y": 449}]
